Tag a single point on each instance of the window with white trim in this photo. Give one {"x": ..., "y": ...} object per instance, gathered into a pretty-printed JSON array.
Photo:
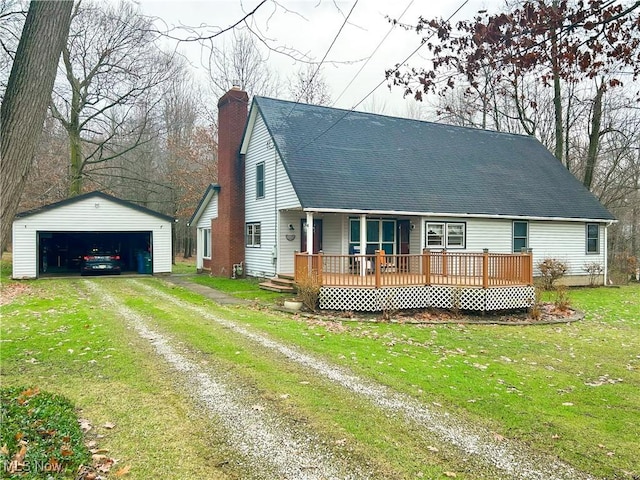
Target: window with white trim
[
  {"x": 520, "y": 236},
  {"x": 260, "y": 180},
  {"x": 446, "y": 235},
  {"x": 206, "y": 243},
  {"x": 593, "y": 238},
  {"x": 253, "y": 234}
]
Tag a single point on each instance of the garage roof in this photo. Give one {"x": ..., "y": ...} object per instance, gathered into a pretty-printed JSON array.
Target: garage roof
[{"x": 90, "y": 195}]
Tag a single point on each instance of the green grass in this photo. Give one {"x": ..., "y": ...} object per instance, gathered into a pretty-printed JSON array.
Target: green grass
[
  {"x": 571, "y": 390},
  {"x": 245, "y": 288},
  {"x": 184, "y": 265},
  {"x": 5, "y": 268},
  {"x": 55, "y": 337},
  {"x": 40, "y": 434}
]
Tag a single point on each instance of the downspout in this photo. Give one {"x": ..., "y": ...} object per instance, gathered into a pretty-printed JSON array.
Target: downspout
[
  {"x": 606, "y": 252},
  {"x": 276, "y": 260}
]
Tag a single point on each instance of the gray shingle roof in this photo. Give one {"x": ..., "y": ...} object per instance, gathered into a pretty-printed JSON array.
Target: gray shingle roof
[{"x": 337, "y": 159}]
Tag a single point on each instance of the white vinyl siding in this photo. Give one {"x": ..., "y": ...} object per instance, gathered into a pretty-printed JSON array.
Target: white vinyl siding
[
  {"x": 204, "y": 223},
  {"x": 279, "y": 195},
  {"x": 564, "y": 241},
  {"x": 93, "y": 214},
  {"x": 210, "y": 212}
]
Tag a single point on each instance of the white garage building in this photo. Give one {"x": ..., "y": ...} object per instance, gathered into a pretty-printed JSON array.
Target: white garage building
[{"x": 53, "y": 239}]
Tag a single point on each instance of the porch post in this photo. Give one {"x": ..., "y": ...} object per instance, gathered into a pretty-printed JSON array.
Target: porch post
[
  {"x": 363, "y": 245},
  {"x": 485, "y": 268},
  {"x": 426, "y": 265},
  {"x": 199, "y": 250},
  {"x": 309, "y": 233}
]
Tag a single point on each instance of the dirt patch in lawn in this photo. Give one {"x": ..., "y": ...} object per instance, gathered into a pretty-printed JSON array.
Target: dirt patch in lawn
[{"x": 11, "y": 291}]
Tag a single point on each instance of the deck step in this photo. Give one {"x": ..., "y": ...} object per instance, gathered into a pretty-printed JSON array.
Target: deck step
[{"x": 279, "y": 283}]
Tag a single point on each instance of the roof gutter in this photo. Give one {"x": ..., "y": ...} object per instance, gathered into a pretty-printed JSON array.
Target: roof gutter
[{"x": 457, "y": 215}]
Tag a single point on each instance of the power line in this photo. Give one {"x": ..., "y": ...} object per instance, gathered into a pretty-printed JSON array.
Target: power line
[
  {"x": 424, "y": 41},
  {"x": 335, "y": 39},
  {"x": 372, "y": 54}
]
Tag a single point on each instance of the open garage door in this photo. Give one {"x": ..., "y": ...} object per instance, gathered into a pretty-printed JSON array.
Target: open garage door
[{"x": 61, "y": 253}]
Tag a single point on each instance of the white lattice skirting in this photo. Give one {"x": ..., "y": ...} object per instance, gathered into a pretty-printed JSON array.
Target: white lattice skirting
[{"x": 436, "y": 296}]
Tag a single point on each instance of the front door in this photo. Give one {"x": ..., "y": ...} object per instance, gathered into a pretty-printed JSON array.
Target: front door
[{"x": 317, "y": 235}]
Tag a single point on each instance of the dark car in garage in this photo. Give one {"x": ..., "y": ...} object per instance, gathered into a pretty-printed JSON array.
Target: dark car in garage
[{"x": 99, "y": 261}]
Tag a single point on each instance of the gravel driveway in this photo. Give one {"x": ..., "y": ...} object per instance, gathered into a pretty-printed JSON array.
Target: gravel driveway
[{"x": 279, "y": 451}]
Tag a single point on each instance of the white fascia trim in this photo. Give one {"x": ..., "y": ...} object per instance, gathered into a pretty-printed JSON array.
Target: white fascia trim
[
  {"x": 203, "y": 207},
  {"x": 455, "y": 215},
  {"x": 253, "y": 113}
]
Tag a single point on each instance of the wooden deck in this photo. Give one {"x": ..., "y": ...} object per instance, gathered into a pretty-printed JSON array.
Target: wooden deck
[{"x": 483, "y": 270}]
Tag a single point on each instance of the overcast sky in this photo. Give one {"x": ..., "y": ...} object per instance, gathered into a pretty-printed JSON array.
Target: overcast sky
[{"x": 310, "y": 26}]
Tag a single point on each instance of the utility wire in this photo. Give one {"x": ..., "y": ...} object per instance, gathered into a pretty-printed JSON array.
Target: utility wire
[
  {"x": 335, "y": 39},
  {"x": 422, "y": 44},
  {"x": 372, "y": 54}
]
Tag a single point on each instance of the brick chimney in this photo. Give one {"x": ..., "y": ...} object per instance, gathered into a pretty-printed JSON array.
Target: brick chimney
[{"x": 227, "y": 231}]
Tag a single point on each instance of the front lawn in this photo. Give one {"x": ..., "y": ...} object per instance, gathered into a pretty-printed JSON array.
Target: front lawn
[{"x": 571, "y": 390}]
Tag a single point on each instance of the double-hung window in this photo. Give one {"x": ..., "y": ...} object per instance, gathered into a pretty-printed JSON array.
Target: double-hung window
[
  {"x": 260, "y": 180},
  {"x": 253, "y": 234},
  {"x": 446, "y": 235},
  {"x": 520, "y": 236},
  {"x": 593, "y": 238},
  {"x": 206, "y": 243}
]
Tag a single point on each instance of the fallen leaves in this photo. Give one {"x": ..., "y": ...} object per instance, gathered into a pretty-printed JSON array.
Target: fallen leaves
[
  {"x": 101, "y": 463},
  {"x": 12, "y": 291}
]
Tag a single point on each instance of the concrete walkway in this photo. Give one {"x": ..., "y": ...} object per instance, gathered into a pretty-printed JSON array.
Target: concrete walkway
[{"x": 211, "y": 293}]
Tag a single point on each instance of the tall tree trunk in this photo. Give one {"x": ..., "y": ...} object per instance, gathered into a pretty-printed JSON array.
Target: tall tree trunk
[
  {"x": 594, "y": 138},
  {"x": 26, "y": 99},
  {"x": 75, "y": 170}
]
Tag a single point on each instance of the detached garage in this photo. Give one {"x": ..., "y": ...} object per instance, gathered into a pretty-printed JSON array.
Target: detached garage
[{"x": 54, "y": 239}]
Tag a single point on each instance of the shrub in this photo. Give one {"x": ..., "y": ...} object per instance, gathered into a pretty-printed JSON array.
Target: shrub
[
  {"x": 562, "y": 302},
  {"x": 535, "y": 311},
  {"x": 594, "y": 269},
  {"x": 308, "y": 288},
  {"x": 550, "y": 271}
]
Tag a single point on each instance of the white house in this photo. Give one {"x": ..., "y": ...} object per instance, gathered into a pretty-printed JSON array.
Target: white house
[
  {"x": 370, "y": 183},
  {"x": 53, "y": 238}
]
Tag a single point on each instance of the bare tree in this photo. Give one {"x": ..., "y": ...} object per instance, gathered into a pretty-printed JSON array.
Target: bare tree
[
  {"x": 309, "y": 86},
  {"x": 112, "y": 73},
  {"x": 12, "y": 16},
  {"x": 24, "y": 105},
  {"x": 240, "y": 62}
]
